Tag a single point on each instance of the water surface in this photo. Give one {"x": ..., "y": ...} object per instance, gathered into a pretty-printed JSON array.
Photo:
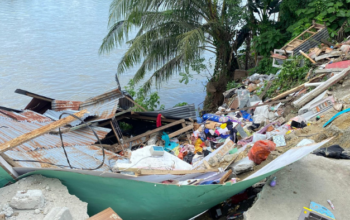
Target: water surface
[{"x": 50, "y": 47}]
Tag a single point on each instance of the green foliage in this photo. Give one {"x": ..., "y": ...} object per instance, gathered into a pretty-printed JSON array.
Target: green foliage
[
  {"x": 173, "y": 34},
  {"x": 333, "y": 12},
  {"x": 125, "y": 126},
  {"x": 150, "y": 102},
  {"x": 232, "y": 85},
  {"x": 198, "y": 66},
  {"x": 181, "y": 104},
  {"x": 292, "y": 75},
  {"x": 264, "y": 67},
  {"x": 268, "y": 41}
]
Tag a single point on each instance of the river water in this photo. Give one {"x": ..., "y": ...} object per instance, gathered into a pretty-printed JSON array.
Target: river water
[{"x": 50, "y": 47}]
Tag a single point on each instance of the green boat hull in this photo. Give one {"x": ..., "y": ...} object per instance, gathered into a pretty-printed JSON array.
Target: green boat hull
[{"x": 143, "y": 200}]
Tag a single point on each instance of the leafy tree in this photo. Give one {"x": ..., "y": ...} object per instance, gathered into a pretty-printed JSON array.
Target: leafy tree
[
  {"x": 335, "y": 13},
  {"x": 150, "y": 102},
  {"x": 174, "y": 33}
]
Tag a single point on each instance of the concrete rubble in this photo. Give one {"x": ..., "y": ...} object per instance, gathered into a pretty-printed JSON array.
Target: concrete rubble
[
  {"x": 40, "y": 198},
  {"x": 313, "y": 178}
]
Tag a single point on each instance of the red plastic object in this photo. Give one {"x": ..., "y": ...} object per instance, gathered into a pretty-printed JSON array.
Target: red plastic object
[
  {"x": 341, "y": 64},
  {"x": 261, "y": 150}
]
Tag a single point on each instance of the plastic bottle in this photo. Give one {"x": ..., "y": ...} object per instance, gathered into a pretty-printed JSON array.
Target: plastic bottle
[{"x": 273, "y": 182}]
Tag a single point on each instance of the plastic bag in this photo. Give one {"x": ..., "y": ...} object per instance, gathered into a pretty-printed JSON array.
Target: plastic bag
[{"x": 261, "y": 150}]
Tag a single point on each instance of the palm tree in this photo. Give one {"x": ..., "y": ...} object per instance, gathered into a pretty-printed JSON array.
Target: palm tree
[{"x": 173, "y": 33}]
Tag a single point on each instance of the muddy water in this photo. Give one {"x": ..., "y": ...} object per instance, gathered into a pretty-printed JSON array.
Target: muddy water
[{"x": 51, "y": 47}]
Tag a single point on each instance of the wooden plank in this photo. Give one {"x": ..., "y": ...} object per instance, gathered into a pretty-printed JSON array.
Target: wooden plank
[
  {"x": 40, "y": 131},
  {"x": 7, "y": 167},
  {"x": 333, "y": 54},
  {"x": 156, "y": 130},
  {"x": 311, "y": 32},
  {"x": 329, "y": 70},
  {"x": 206, "y": 164},
  {"x": 9, "y": 160},
  {"x": 268, "y": 102},
  {"x": 135, "y": 103},
  {"x": 107, "y": 214},
  {"x": 311, "y": 95},
  {"x": 115, "y": 132},
  {"x": 151, "y": 118},
  {"x": 269, "y": 84},
  {"x": 307, "y": 56},
  {"x": 188, "y": 135},
  {"x": 224, "y": 177},
  {"x": 280, "y": 96},
  {"x": 296, "y": 38},
  {"x": 166, "y": 172},
  {"x": 181, "y": 131}
]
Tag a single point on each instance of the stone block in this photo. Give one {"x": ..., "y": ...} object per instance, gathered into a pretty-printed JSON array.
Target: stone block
[
  {"x": 31, "y": 199},
  {"x": 59, "y": 213}
]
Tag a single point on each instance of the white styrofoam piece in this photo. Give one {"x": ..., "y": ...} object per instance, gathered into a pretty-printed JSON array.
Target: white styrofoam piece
[{"x": 143, "y": 159}]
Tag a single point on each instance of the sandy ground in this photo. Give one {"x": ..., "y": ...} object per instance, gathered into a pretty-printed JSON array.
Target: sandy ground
[
  {"x": 313, "y": 178},
  {"x": 56, "y": 195}
]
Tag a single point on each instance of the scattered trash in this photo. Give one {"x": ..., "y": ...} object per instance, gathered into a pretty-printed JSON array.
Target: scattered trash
[
  {"x": 273, "y": 182},
  {"x": 334, "y": 151},
  {"x": 261, "y": 150}
]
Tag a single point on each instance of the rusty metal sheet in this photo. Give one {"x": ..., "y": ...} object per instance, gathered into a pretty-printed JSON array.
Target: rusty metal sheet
[
  {"x": 55, "y": 115},
  {"x": 103, "y": 106},
  {"x": 10, "y": 129},
  {"x": 26, "y": 115},
  {"x": 60, "y": 105},
  {"x": 87, "y": 157}
]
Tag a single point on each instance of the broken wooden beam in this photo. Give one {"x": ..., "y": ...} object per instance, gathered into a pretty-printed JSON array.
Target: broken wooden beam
[
  {"x": 166, "y": 172},
  {"x": 307, "y": 56},
  {"x": 181, "y": 131},
  {"x": 225, "y": 176},
  {"x": 317, "y": 91},
  {"x": 332, "y": 54},
  {"x": 135, "y": 140},
  {"x": 40, "y": 131},
  {"x": 329, "y": 70},
  {"x": 280, "y": 96}
]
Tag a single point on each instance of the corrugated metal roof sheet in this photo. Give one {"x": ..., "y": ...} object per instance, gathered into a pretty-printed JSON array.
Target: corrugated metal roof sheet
[
  {"x": 60, "y": 105},
  {"x": 87, "y": 157},
  {"x": 26, "y": 115},
  {"x": 103, "y": 106},
  {"x": 47, "y": 147},
  {"x": 55, "y": 115},
  {"x": 10, "y": 129},
  {"x": 181, "y": 112}
]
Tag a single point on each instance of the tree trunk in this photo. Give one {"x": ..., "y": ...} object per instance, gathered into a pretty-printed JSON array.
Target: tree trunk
[{"x": 223, "y": 74}]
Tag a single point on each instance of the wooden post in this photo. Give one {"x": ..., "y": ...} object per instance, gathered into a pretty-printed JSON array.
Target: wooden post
[
  {"x": 135, "y": 103},
  {"x": 38, "y": 132},
  {"x": 188, "y": 135},
  {"x": 305, "y": 55},
  {"x": 114, "y": 131}
]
